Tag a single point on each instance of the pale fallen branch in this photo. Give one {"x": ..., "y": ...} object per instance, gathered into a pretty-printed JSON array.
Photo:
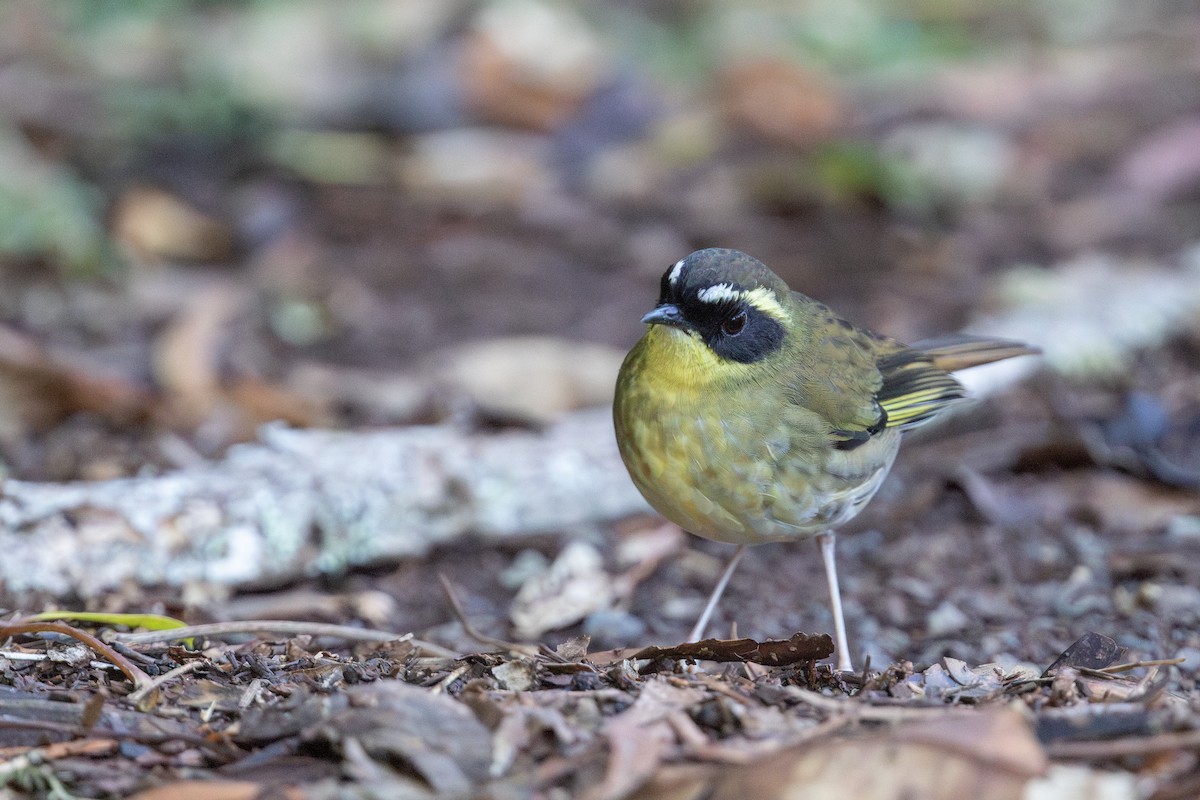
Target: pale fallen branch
[
  {"x": 216, "y": 630},
  {"x": 303, "y": 502}
]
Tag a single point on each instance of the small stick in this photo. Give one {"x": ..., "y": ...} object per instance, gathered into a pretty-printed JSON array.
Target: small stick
[
  {"x": 865, "y": 671},
  {"x": 131, "y": 670},
  {"x": 288, "y": 627},
  {"x": 469, "y": 629},
  {"x": 144, "y": 691},
  {"x": 1157, "y": 662},
  {"x": 1130, "y": 746}
]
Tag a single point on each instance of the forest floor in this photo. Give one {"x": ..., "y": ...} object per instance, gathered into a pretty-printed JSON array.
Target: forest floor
[{"x": 1023, "y": 595}]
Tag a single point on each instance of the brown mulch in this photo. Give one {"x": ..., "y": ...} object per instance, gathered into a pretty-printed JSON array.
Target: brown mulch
[{"x": 406, "y": 718}]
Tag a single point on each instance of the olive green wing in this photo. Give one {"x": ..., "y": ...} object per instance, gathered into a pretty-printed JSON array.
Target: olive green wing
[
  {"x": 962, "y": 350},
  {"x": 834, "y": 374},
  {"x": 916, "y": 380},
  {"x": 882, "y": 384},
  {"x": 867, "y": 383},
  {"x": 914, "y": 388},
  {"x": 862, "y": 383}
]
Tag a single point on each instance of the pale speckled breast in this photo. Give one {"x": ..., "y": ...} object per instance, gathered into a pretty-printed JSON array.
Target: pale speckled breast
[{"x": 737, "y": 476}]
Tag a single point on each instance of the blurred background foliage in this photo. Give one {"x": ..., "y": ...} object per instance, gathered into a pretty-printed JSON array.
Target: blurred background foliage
[{"x": 216, "y": 208}]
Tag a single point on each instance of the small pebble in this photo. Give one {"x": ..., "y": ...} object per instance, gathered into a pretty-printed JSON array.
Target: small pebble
[
  {"x": 609, "y": 628},
  {"x": 946, "y": 618},
  {"x": 1191, "y": 659}
]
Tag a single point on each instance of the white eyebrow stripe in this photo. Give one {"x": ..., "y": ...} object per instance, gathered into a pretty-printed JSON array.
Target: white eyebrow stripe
[
  {"x": 675, "y": 272},
  {"x": 759, "y": 297},
  {"x": 718, "y": 293}
]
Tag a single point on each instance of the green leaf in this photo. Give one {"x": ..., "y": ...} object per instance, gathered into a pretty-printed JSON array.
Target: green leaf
[{"x": 154, "y": 622}]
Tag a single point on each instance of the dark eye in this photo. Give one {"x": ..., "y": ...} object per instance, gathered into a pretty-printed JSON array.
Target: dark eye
[{"x": 734, "y": 325}]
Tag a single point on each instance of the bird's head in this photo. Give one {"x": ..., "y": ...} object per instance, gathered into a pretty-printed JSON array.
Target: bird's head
[{"x": 726, "y": 302}]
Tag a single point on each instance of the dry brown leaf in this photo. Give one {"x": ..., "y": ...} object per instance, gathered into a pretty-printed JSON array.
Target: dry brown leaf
[
  {"x": 517, "y": 675},
  {"x": 187, "y": 354},
  {"x": 801, "y": 647},
  {"x": 641, "y": 737},
  {"x": 642, "y": 549},
  {"x": 636, "y": 750},
  {"x": 378, "y": 396},
  {"x": 984, "y": 755},
  {"x": 534, "y": 378},
  {"x": 38, "y": 387},
  {"x": 155, "y": 225},
  {"x": 678, "y": 782},
  {"x": 574, "y": 586},
  {"x": 188, "y": 364},
  {"x": 262, "y": 402},
  {"x": 216, "y": 790},
  {"x": 1090, "y": 651},
  {"x": 209, "y": 694},
  {"x": 999, "y": 739},
  {"x": 1125, "y": 504},
  {"x": 780, "y": 101},
  {"x": 440, "y": 739},
  {"x": 529, "y": 66}
]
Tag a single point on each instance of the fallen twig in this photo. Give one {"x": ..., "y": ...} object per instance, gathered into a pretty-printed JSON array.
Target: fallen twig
[
  {"x": 131, "y": 670},
  {"x": 288, "y": 627},
  {"x": 1156, "y": 662},
  {"x": 144, "y": 691},
  {"x": 469, "y": 629},
  {"x": 1129, "y": 746},
  {"x": 51, "y": 752}
]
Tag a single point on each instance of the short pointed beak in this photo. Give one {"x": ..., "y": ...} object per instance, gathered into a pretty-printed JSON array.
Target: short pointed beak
[{"x": 666, "y": 314}]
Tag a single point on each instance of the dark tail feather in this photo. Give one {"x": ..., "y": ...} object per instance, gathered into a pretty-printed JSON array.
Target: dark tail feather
[{"x": 960, "y": 351}]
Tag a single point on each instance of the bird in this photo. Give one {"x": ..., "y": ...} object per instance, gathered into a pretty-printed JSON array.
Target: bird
[{"x": 750, "y": 413}]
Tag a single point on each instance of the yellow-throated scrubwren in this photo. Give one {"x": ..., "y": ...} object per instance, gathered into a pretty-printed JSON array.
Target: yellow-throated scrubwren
[{"x": 749, "y": 413}]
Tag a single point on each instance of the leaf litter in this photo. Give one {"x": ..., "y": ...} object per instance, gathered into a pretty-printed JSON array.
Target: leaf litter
[
  {"x": 719, "y": 718},
  {"x": 1060, "y": 509}
]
